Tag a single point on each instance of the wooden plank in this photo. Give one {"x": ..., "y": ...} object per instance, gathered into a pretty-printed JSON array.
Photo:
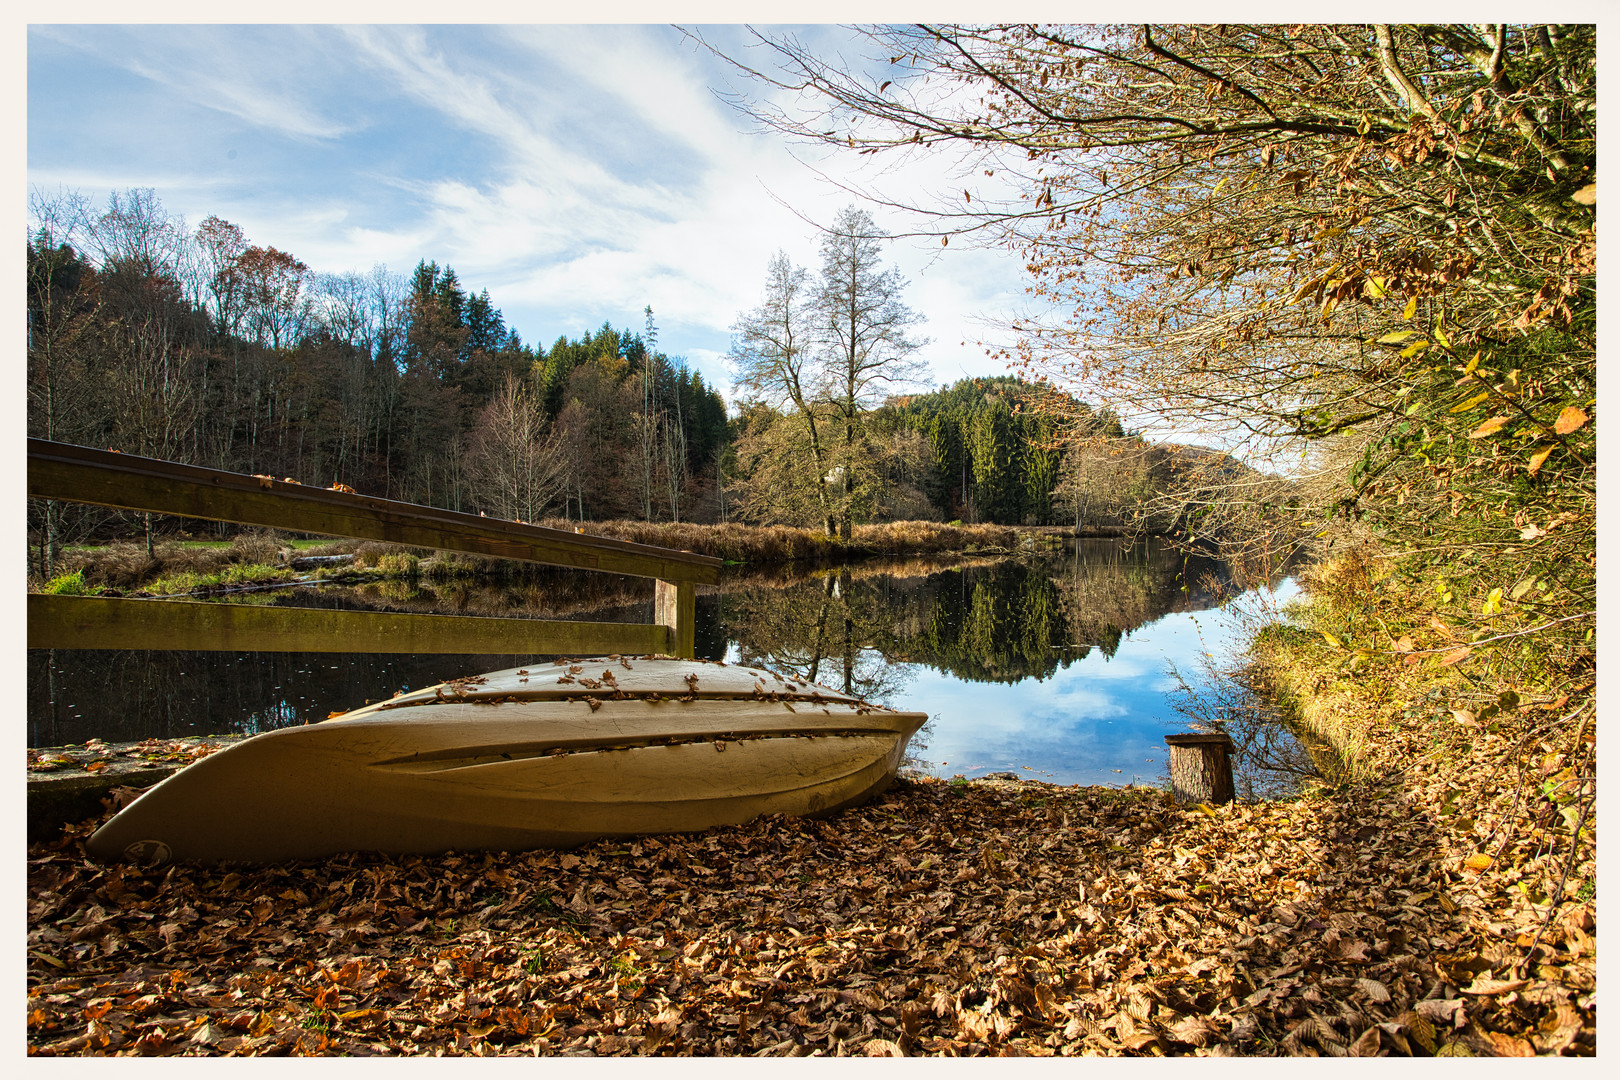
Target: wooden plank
[
  {"x": 127, "y": 482},
  {"x": 675, "y": 606},
  {"x": 94, "y": 622}
]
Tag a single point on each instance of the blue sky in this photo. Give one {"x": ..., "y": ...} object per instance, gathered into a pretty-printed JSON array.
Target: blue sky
[{"x": 579, "y": 173}]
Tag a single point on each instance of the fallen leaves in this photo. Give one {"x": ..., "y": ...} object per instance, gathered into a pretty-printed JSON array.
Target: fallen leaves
[
  {"x": 999, "y": 918},
  {"x": 96, "y": 755}
]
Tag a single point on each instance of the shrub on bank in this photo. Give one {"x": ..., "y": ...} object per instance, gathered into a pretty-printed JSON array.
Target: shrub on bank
[
  {"x": 256, "y": 547},
  {"x": 399, "y": 564},
  {"x": 1393, "y": 681},
  {"x": 234, "y": 576}
]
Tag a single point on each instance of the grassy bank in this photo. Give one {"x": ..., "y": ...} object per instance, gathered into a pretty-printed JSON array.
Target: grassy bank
[
  {"x": 783, "y": 543},
  {"x": 172, "y": 568},
  {"x": 176, "y": 568},
  {"x": 1489, "y": 753}
]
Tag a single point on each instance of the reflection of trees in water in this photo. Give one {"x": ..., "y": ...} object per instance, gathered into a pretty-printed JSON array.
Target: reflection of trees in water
[
  {"x": 825, "y": 631},
  {"x": 1108, "y": 589},
  {"x": 1001, "y": 624},
  {"x": 1002, "y": 620},
  {"x": 977, "y": 618}
]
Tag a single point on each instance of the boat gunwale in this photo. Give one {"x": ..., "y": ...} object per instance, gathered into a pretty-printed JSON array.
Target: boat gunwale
[
  {"x": 553, "y": 749},
  {"x": 653, "y": 697}
]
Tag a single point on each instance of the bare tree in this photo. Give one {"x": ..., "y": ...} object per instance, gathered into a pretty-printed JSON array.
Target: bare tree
[
  {"x": 775, "y": 363},
  {"x": 826, "y": 352},
  {"x": 66, "y": 383},
  {"x": 276, "y": 303},
  {"x": 136, "y": 232},
  {"x": 220, "y": 244},
  {"x": 514, "y": 463}
]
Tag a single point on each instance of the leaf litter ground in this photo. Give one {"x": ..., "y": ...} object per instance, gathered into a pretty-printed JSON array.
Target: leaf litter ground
[{"x": 984, "y": 918}]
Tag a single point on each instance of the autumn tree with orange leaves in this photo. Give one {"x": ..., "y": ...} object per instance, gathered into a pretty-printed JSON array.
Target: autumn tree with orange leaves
[{"x": 1363, "y": 254}]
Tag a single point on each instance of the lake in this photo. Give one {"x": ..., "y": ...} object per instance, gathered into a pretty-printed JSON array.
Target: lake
[{"x": 1063, "y": 665}]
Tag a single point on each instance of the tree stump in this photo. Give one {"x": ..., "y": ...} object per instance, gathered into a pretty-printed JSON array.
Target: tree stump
[{"x": 1201, "y": 768}]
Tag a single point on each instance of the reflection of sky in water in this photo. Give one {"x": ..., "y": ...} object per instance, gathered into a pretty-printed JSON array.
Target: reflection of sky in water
[{"x": 1098, "y": 721}]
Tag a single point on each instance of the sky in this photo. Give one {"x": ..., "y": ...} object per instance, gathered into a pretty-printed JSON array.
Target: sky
[{"x": 579, "y": 173}]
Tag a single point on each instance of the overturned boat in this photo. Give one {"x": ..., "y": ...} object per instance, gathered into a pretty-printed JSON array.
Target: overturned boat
[{"x": 519, "y": 759}]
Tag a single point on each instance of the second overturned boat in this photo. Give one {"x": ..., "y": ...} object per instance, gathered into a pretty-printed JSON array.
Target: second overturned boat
[{"x": 518, "y": 759}]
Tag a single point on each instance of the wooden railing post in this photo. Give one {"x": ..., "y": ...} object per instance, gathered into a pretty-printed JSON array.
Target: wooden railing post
[
  {"x": 1201, "y": 768},
  {"x": 675, "y": 606}
]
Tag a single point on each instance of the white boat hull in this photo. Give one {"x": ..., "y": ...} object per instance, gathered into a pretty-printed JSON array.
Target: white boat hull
[{"x": 508, "y": 762}]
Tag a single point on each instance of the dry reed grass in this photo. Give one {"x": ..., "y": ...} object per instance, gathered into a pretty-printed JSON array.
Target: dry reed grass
[
  {"x": 1343, "y": 582},
  {"x": 735, "y": 542},
  {"x": 1336, "y": 716}
]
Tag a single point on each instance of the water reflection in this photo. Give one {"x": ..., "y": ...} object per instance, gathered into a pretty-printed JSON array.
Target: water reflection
[
  {"x": 1099, "y": 720},
  {"x": 1060, "y": 665}
]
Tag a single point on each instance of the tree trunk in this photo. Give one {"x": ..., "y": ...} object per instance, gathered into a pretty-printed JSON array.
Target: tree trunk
[{"x": 1201, "y": 768}]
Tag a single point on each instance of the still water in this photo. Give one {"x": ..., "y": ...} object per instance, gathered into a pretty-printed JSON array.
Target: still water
[{"x": 1065, "y": 666}]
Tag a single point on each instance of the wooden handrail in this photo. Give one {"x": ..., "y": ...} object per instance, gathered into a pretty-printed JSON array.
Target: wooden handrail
[{"x": 129, "y": 482}]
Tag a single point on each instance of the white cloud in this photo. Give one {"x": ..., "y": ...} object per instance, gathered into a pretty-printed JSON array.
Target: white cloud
[
  {"x": 221, "y": 69},
  {"x": 604, "y": 174}
]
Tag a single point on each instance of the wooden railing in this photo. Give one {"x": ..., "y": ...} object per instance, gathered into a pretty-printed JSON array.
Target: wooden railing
[{"x": 125, "y": 482}]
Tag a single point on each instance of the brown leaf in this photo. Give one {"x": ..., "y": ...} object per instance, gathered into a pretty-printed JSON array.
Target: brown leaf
[
  {"x": 1508, "y": 1046},
  {"x": 1482, "y": 985},
  {"x": 1367, "y": 1045},
  {"x": 1571, "y": 419},
  {"x": 1490, "y": 427},
  {"x": 207, "y": 1035},
  {"x": 1420, "y": 1027},
  {"x": 1193, "y": 1030},
  {"x": 1375, "y": 990},
  {"x": 363, "y": 1016},
  {"x": 1317, "y": 1031},
  {"x": 1440, "y": 1012},
  {"x": 1559, "y": 1030}
]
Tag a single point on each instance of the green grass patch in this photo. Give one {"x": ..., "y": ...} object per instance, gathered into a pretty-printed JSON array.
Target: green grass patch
[
  {"x": 71, "y": 585},
  {"x": 236, "y": 576}
]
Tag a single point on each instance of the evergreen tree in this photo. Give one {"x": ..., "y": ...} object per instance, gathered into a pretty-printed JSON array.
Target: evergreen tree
[
  {"x": 868, "y": 349},
  {"x": 486, "y": 329}
]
